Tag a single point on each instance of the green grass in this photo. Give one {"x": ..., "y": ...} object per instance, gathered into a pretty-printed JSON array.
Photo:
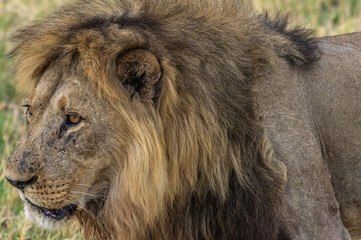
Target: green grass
[{"x": 325, "y": 16}]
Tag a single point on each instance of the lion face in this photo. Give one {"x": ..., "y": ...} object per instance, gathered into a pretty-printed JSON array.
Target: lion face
[
  {"x": 82, "y": 147},
  {"x": 58, "y": 162}
]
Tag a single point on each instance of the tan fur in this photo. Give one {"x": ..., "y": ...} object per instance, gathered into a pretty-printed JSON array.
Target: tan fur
[{"x": 173, "y": 143}]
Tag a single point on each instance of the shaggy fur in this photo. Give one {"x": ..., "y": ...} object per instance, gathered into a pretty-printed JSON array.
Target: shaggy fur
[{"x": 200, "y": 165}]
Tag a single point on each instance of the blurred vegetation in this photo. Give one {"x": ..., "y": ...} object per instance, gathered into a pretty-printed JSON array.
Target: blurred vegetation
[{"x": 327, "y": 17}]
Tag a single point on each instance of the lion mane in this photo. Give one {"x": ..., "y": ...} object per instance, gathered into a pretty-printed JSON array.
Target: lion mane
[{"x": 202, "y": 167}]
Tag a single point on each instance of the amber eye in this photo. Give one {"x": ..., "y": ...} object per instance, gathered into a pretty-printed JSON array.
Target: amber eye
[{"x": 73, "y": 118}]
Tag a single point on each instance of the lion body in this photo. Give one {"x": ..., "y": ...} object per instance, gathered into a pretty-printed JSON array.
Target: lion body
[
  {"x": 194, "y": 120},
  {"x": 313, "y": 124}
]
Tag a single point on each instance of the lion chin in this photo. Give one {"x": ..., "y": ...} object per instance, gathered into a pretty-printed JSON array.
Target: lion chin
[
  {"x": 47, "y": 218},
  {"x": 35, "y": 215}
]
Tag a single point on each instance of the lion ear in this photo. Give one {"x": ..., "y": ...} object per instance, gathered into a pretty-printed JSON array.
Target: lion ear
[{"x": 139, "y": 71}]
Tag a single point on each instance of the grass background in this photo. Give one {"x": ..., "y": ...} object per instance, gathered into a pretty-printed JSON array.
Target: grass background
[{"x": 327, "y": 17}]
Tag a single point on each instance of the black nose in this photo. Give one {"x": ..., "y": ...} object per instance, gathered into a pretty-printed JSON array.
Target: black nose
[{"x": 20, "y": 184}]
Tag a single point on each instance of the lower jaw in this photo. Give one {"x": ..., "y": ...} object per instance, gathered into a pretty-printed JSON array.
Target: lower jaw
[
  {"x": 54, "y": 214},
  {"x": 35, "y": 215}
]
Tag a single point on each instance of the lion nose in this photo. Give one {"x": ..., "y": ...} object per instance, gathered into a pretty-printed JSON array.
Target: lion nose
[{"x": 20, "y": 184}]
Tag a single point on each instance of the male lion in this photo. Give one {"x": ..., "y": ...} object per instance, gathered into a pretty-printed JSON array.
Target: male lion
[{"x": 180, "y": 120}]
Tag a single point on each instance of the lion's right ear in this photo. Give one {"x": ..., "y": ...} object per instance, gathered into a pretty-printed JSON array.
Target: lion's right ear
[{"x": 139, "y": 71}]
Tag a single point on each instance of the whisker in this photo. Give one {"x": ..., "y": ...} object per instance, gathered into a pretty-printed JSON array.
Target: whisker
[
  {"x": 83, "y": 193},
  {"x": 83, "y": 185},
  {"x": 90, "y": 195}
]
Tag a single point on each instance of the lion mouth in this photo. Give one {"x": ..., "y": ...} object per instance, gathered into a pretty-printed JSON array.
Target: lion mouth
[{"x": 57, "y": 214}]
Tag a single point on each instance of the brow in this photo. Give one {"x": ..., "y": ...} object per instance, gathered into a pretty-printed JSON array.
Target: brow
[{"x": 62, "y": 103}]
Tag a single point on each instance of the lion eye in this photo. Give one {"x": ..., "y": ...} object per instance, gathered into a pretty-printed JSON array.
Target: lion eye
[
  {"x": 73, "y": 119},
  {"x": 29, "y": 112}
]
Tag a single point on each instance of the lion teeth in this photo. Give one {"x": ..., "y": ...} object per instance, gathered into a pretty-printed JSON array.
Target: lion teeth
[{"x": 22, "y": 195}]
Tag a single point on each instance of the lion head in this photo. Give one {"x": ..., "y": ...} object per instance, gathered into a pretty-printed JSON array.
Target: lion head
[
  {"x": 51, "y": 185},
  {"x": 77, "y": 141},
  {"x": 141, "y": 123}
]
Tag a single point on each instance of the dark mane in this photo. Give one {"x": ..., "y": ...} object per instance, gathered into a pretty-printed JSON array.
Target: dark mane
[
  {"x": 295, "y": 45},
  {"x": 303, "y": 40}
]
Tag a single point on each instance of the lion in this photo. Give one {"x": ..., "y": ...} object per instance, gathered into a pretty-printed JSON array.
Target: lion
[{"x": 192, "y": 119}]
